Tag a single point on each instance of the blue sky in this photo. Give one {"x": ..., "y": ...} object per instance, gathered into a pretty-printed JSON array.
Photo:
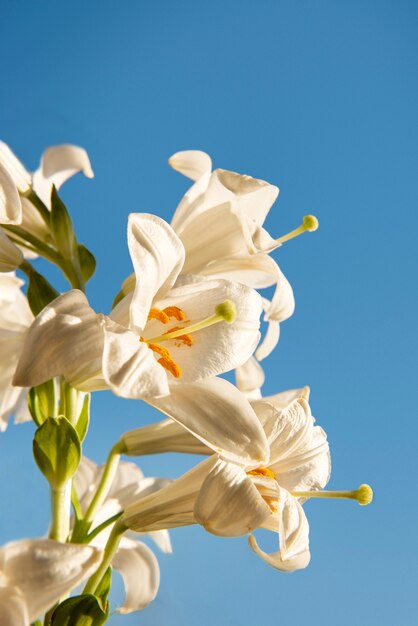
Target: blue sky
[{"x": 319, "y": 98}]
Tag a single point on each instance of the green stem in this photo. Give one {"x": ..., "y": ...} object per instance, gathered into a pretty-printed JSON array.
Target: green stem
[
  {"x": 60, "y": 501},
  {"x": 102, "y": 526},
  {"x": 106, "y": 481},
  {"x": 76, "y": 503},
  {"x": 109, "y": 552}
]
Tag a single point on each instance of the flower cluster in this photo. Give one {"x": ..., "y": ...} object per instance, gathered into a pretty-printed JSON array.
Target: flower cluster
[{"x": 189, "y": 312}]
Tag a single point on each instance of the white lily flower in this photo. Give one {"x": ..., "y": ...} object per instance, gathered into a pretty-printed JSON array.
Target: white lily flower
[
  {"x": 10, "y": 255},
  {"x": 233, "y": 499},
  {"x": 137, "y": 352},
  {"x": 134, "y": 560},
  {"x": 36, "y": 573},
  {"x": 220, "y": 222},
  {"x": 15, "y": 319}
]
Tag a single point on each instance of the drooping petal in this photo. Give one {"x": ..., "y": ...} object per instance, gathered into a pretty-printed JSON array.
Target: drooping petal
[
  {"x": 65, "y": 339},
  {"x": 294, "y": 537},
  {"x": 10, "y": 255},
  {"x": 140, "y": 572},
  {"x": 218, "y": 348},
  {"x": 217, "y": 414},
  {"x": 157, "y": 255},
  {"x": 10, "y": 205},
  {"x": 58, "y": 164},
  {"x": 250, "y": 378},
  {"x": 129, "y": 366},
  {"x": 191, "y": 163},
  {"x": 44, "y": 570},
  {"x": 164, "y": 436},
  {"x": 257, "y": 271},
  {"x": 282, "y": 399},
  {"x": 170, "y": 507},
  {"x": 13, "y": 610},
  {"x": 161, "y": 538},
  {"x": 228, "y": 504}
]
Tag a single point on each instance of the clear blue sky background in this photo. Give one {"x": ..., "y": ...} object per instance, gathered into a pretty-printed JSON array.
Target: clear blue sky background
[{"x": 319, "y": 98}]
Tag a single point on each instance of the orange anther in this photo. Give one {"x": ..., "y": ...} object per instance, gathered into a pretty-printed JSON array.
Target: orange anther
[
  {"x": 262, "y": 471},
  {"x": 158, "y": 314},
  {"x": 174, "y": 311},
  {"x": 171, "y": 366}
]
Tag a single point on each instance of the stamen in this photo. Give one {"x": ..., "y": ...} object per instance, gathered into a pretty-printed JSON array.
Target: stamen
[
  {"x": 176, "y": 312},
  {"x": 166, "y": 360},
  {"x": 158, "y": 314},
  {"x": 262, "y": 471},
  {"x": 186, "y": 339},
  {"x": 171, "y": 366},
  {"x": 363, "y": 495},
  {"x": 224, "y": 312},
  {"x": 310, "y": 224}
]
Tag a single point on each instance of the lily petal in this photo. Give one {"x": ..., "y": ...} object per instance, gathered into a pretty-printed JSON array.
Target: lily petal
[
  {"x": 44, "y": 570},
  {"x": 17, "y": 171},
  {"x": 65, "y": 339},
  {"x": 158, "y": 256},
  {"x": 161, "y": 538},
  {"x": 10, "y": 205},
  {"x": 129, "y": 366},
  {"x": 250, "y": 378},
  {"x": 228, "y": 504},
  {"x": 191, "y": 163},
  {"x": 217, "y": 414},
  {"x": 170, "y": 507},
  {"x": 140, "y": 572},
  {"x": 12, "y": 607},
  {"x": 10, "y": 255},
  {"x": 219, "y": 348},
  {"x": 164, "y": 436},
  {"x": 294, "y": 537},
  {"x": 299, "y": 450}
]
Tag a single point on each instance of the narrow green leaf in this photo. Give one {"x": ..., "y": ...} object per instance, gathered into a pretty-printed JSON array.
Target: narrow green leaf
[
  {"x": 57, "y": 450},
  {"x": 62, "y": 227},
  {"x": 84, "y": 419},
  {"x": 103, "y": 589},
  {"x": 84, "y": 610},
  {"x": 87, "y": 262},
  {"x": 40, "y": 292}
]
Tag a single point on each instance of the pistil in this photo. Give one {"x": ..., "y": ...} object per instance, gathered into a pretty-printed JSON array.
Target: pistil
[
  {"x": 309, "y": 224},
  {"x": 224, "y": 312},
  {"x": 363, "y": 495}
]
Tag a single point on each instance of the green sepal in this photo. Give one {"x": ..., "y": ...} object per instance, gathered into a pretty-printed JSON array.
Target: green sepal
[
  {"x": 42, "y": 402},
  {"x": 37, "y": 623},
  {"x": 83, "y": 419},
  {"x": 40, "y": 292},
  {"x": 57, "y": 450},
  {"x": 84, "y": 610},
  {"x": 62, "y": 227},
  {"x": 87, "y": 262}
]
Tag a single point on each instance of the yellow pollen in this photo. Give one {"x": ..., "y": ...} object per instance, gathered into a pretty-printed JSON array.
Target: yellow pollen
[
  {"x": 262, "y": 471},
  {"x": 363, "y": 495},
  {"x": 174, "y": 311},
  {"x": 158, "y": 314},
  {"x": 309, "y": 224}
]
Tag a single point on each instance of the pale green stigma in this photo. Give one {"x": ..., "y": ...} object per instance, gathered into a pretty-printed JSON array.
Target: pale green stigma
[
  {"x": 224, "y": 312},
  {"x": 309, "y": 224},
  {"x": 363, "y": 495}
]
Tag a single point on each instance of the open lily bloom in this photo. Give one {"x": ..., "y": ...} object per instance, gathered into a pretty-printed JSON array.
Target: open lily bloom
[
  {"x": 15, "y": 319},
  {"x": 134, "y": 560},
  {"x": 231, "y": 498},
  {"x": 220, "y": 222},
  {"x": 165, "y": 331},
  {"x": 36, "y": 573}
]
